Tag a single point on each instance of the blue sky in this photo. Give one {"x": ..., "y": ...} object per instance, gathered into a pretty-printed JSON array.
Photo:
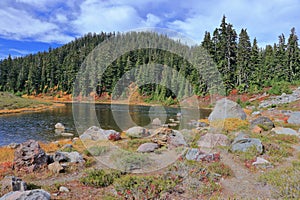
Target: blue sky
[{"x": 28, "y": 26}]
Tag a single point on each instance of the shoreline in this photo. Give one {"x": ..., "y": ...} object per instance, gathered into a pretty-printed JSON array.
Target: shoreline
[{"x": 38, "y": 108}]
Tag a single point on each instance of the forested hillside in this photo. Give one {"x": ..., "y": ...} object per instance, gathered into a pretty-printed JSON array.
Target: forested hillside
[{"x": 241, "y": 63}]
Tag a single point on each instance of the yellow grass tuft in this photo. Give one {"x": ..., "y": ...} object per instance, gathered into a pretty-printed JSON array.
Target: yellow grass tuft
[
  {"x": 6, "y": 154},
  {"x": 230, "y": 124}
]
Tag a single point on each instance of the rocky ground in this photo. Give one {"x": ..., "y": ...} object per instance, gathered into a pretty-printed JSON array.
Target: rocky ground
[{"x": 234, "y": 154}]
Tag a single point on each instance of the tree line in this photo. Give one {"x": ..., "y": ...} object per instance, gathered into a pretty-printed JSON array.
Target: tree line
[{"x": 240, "y": 62}]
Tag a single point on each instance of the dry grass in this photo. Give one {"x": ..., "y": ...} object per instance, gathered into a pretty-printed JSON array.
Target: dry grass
[
  {"x": 6, "y": 154},
  {"x": 230, "y": 124}
]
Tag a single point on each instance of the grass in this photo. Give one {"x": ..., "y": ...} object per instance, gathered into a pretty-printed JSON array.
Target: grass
[
  {"x": 285, "y": 181},
  {"x": 98, "y": 150},
  {"x": 131, "y": 144},
  {"x": 128, "y": 161},
  {"x": 9, "y": 102},
  {"x": 100, "y": 178},
  {"x": 230, "y": 124}
]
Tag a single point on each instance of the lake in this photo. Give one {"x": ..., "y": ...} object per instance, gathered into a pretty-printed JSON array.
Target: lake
[{"x": 77, "y": 118}]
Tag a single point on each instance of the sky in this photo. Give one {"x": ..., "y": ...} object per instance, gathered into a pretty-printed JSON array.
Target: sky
[{"x": 29, "y": 26}]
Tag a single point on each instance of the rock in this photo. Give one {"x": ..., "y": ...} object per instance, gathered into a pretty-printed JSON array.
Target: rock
[
  {"x": 156, "y": 122},
  {"x": 74, "y": 157},
  {"x": 93, "y": 133},
  {"x": 285, "y": 131},
  {"x": 260, "y": 161},
  {"x": 12, "y": 183},
  {"x": 294, "y": 118},
  {"x": 59, "y": 126},
  {"x": 256, "y": 113},
  {"x": 137, "y": 132},
  {"x": 13, "y": 145},
  {"x": 197, "y": 155},
  {"x": 257, "y": 130},
  {"x": 75, "y": 139},
  {"x": 176, "y": 139},
  {"x": 60, "y": 157},
  {"x": 264, "y": 122},
  {"x": 147, "y": 147},
  {"x": 37, "y": 194},
  {"x": 67, "y": 134},
  {"x": 55, "y": 167},
  {"x": 112, "y": 135},
  {"x": 63, "y": 189},
  {"x": 29, "y": 157},
  {"x": 241, "y": 143},
  {"x": 211, "y": 140},
  {"x": 227, "y": 109}
]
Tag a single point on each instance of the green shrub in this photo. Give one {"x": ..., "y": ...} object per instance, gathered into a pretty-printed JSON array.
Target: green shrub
[
  {"x": 280, "y": 87},
  {"x": 285, "y": 180},
  {"x": 100, "y": 178},
  {"x": 98, "y": 150},
  {"x": 144, "y": 187}
]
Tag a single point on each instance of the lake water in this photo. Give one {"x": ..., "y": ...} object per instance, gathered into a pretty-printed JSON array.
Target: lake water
[{"x": 40, "y": 125}]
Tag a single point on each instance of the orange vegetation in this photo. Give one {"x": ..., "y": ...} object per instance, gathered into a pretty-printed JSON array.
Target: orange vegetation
[{"x": 230, "y": 124}]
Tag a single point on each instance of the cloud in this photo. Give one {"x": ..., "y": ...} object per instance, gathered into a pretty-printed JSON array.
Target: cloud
[{"x": 22, "y": 52}]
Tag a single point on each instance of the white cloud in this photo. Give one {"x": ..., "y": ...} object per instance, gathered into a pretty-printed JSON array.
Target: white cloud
[{"x": 22, "y": 52}]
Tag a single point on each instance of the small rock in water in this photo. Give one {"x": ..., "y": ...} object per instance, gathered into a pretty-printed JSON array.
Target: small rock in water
[
  {"x": 156, "y": 122},
  {"x": 67, "y": 134},
  {"x": 59, "y": 126}
]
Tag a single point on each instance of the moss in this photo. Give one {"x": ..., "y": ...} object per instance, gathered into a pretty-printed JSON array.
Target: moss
[{"x": 100, "y": 178}]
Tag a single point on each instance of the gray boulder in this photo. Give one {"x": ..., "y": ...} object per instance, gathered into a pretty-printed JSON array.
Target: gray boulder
[
  {"x": 227, "y": 109},
  {"x": 197, "y": 155},
  {"x": 93, "y": 133},
  {"x": 137, "y": 132},
  {"x": 285, "y": 131},
  {"x": 74, "y": 157},
  {"x": 12, "y": 183},
  {"x": 147, "y": 147},
  {"x": 263, "y": 122},
  {"x": 176, "y": 139},
  {"x": 37, "y": 194},
  {"x": 294, "y": 118},
  {"x": 60, "y": 157},
  {"x": 242, "y": 143},
  {"x": 211, "y": 140},
  {"x": 29, "y": 157}
]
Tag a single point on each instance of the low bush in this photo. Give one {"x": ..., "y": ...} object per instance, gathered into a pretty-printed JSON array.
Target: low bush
[{"x": 100, "y": 178}]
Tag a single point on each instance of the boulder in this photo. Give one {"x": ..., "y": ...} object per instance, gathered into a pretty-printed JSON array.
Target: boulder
[
  {"x": 227, "y": 109},
  {"x": 242, "y": 143},
  {"x": 137, "y": 132},
  {"x": 29, "y": 157},
  {"x": 74, "y": 157},
  {"x": 55, "y": 167},
  {"x": 60, "y": 157},
  {"x": 263, "y": 122},
  {"x": 93, "y": 133},
  {"x": 147, "y": 147},
  {"x": 176, "y": 139},
  {"x": 59, "y": 126},
  {"x": 112, "y": 135},
  {"x": 156, "y": 122},
  {"x": 37, "y": 194},
  {"x": 197, "y": 155},
  {"x": 285, "y": 131},
  {"x": 211, "y": 140},
  {"x": 294, "y": 118},
  {"x": 12, "y": 183}
]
